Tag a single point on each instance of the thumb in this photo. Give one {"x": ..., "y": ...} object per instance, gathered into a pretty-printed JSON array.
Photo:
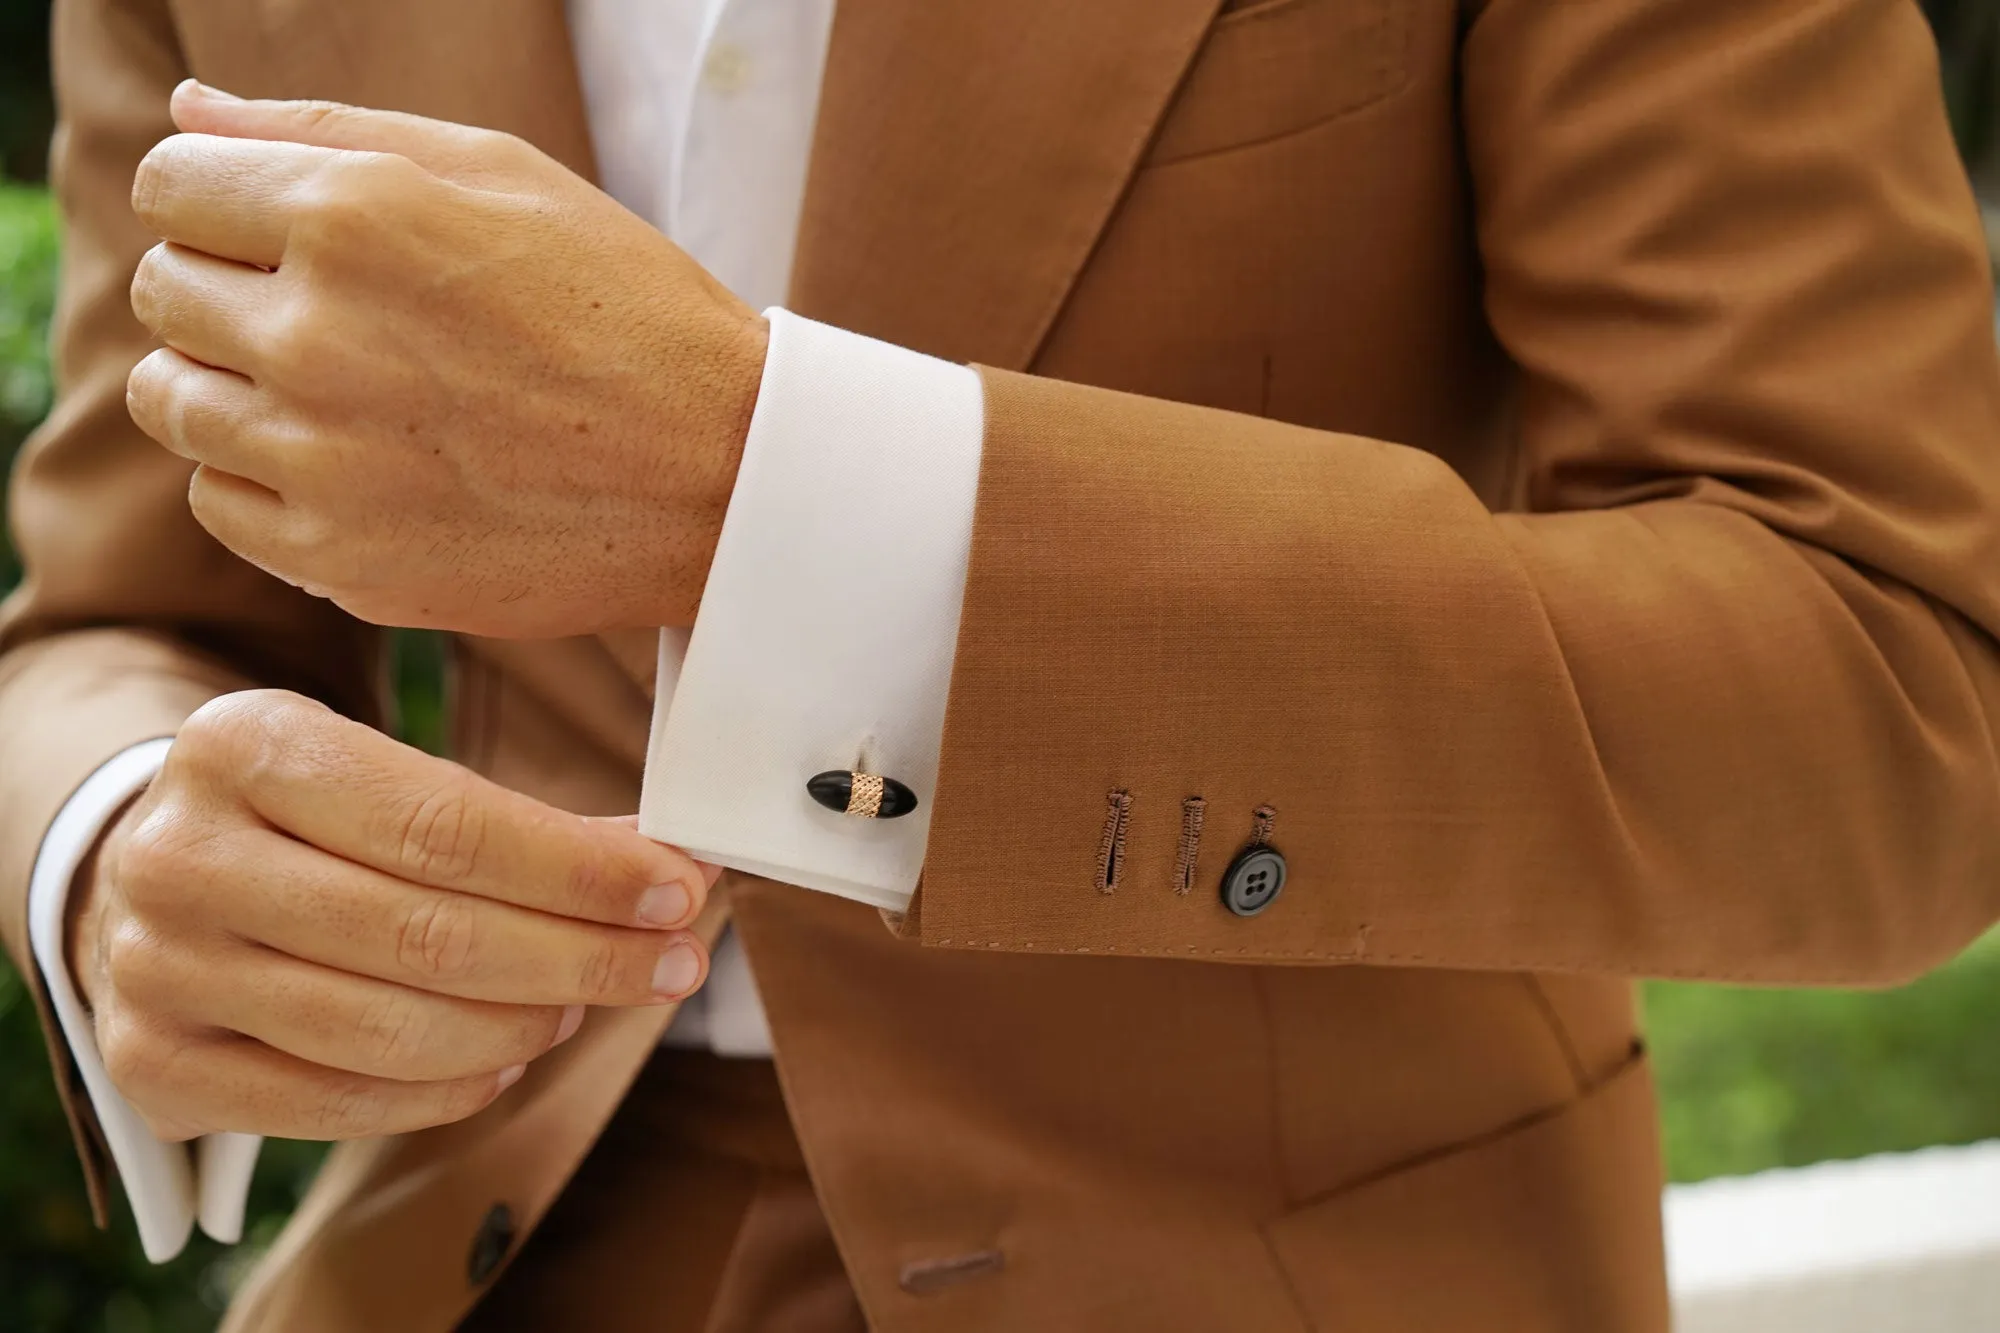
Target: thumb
[
  {"x": 710, "y": 872},
  {"x": 439, "y": 146}
]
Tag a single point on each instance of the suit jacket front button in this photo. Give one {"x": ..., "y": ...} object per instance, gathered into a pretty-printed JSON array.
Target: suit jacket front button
[
  {"x": 1253, "y": 880},
  {"x": 490, "y": 1244}
]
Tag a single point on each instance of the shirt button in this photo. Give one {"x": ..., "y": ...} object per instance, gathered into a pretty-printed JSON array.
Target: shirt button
[
  {"x": 490, "y": 1244},
  {"x": 1253, "y": 880},
  {"x": 727, "y": 68}
]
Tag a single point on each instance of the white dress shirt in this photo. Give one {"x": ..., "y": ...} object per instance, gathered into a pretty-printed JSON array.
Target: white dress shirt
[{"x": 830, "y": 617}]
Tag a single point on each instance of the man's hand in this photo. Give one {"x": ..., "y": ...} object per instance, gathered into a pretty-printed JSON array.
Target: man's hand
[
  {"x": 433, "y": 375},
  {"x": 305, "y": 929}
]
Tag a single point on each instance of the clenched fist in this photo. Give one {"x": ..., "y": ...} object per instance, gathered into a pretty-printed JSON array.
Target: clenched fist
[
  {"x": 428, "y": 372},
  {"x": 306, "y": 929}
]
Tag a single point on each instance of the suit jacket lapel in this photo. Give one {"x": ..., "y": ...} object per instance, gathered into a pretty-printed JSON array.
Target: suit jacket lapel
[
  {"x": 503, "y": 64},
  {"x": 967, "y": 156}
]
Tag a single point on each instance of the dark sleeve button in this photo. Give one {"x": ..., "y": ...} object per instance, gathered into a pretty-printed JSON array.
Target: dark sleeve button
[
  {"x": 1253, "y": 880},
  {"x": 490, "y": 1244},
  {"x": 863, "y": 795}
]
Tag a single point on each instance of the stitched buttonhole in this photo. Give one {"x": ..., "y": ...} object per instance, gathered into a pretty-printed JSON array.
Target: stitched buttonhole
[
  {"x": 1261, "y": 820},
  {"x": 1192, "y": 810},
  {"x": 1111, "y": 847}
]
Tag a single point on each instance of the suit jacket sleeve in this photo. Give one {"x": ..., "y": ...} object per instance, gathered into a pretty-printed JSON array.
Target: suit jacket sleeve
[
  {"x": 129, "y": 616},
  {"x": 1719, "y": 701}
]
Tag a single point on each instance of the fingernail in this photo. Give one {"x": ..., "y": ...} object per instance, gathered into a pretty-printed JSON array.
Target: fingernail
[
  {"x": 572, "y": 1020},
  {"x": 216, "y": 93},
  {"x": 676, "y": 972},
  {"x": 665, "y": 904},
  {"x": 511, "y": 1075}
]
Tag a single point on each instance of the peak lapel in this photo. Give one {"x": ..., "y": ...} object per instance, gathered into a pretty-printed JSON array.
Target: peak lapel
[{"x": 968, "y": 154}]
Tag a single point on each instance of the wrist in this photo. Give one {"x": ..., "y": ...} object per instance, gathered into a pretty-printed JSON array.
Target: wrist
[
  {"x": 740, "y": 379},
  {"x": 745, "y": 376},
  {"x": 738, "y": 374}
]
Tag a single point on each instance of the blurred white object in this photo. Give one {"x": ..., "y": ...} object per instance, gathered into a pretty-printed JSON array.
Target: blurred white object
[{"x": 1904, "y": 1243}]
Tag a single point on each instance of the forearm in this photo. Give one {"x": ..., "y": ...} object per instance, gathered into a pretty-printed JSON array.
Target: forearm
[
  {"x": 1720, "y": 700},
  {"x": 1662, "y": 739}
]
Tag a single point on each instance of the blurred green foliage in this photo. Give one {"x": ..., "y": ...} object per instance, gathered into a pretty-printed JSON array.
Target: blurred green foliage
[
  {"x": 1748, "y": 1078},
  {"x": 1751, "y": 1079},
  {"x": 27, "y": 293}
]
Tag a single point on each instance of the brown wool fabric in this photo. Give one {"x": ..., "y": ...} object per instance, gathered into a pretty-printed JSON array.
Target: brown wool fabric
[
  {"x": 1544, "y": 451},
  {"x": 692, "y": 1214}
]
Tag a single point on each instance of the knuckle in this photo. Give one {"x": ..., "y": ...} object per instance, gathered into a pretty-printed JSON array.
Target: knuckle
[
  {"x": 150, "y": 181},
  {"x": 211, "y": 504},
  {"x": 443, "y": 834},
  {"x": 158, "y": 857},
  {"x": 228, "y": 725},
  {"x": 349, "y": 1109},
  {"x": 207, "y": 732},
  {"x": 347, "y": 199},
  {"x": 131, "y": 1055},
  {"x": 151, "y": 390},
  {"x": 394, "y": 1030},
  {"x": 147, "y": 278},
  {"x": 134, "y": 960},
  {"x": 607, "y": 872},
  {"x": 590, "y": 887},
  {"x": 142, "y": 384},
  {"x": 321, "y": 548},
  {"x": 320, "y": 116},
  {"x": 301, "y": 562},
  {"x": 252, "y": 737},
  {"x": 437, "y": 940},
  {"x": 124, "y": 1063},
  {"x": 326, "y": 213},
  {"x": 512, "y": 150},
  {"x": 288, "y": 348},
  {"x": 600, "y": 971}
]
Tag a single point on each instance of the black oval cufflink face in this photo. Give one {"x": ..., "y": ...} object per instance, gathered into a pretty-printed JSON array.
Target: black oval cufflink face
[
  {"x": 863, "y": 795},
  {"x": 490, "y": 1244},
  {"x": 1254, "y": 880}
]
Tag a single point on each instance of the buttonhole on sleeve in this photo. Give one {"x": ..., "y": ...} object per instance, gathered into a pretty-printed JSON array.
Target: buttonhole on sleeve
[
  {"x": 1192, "y": 810},
  {"x": 1111, "y": 847}
]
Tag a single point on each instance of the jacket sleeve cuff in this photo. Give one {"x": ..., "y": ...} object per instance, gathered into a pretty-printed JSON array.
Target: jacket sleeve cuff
[{"x": 829, "y": 623}]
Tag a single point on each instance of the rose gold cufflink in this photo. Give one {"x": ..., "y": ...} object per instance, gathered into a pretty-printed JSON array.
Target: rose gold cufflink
[{"x": 863, "y": 795}]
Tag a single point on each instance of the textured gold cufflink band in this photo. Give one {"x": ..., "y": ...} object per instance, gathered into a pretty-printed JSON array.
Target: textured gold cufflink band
[
  {"x": 864, "y": 798},
  {"x": 863, "y": 795}
]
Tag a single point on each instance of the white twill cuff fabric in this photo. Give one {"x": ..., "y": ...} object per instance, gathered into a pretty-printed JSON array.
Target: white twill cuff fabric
[
  {"x": 169, "y": 1189},
  {"x": 829, "y": 621}
]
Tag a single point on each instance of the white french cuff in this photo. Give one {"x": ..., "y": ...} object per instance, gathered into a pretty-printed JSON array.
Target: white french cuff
[
  {"x": 170, "y": 1190},
  {"x": 829, "y": 621}
]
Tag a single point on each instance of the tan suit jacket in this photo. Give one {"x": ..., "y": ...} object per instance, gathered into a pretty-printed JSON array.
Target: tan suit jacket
[{"x": 1547, "y": 451}]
